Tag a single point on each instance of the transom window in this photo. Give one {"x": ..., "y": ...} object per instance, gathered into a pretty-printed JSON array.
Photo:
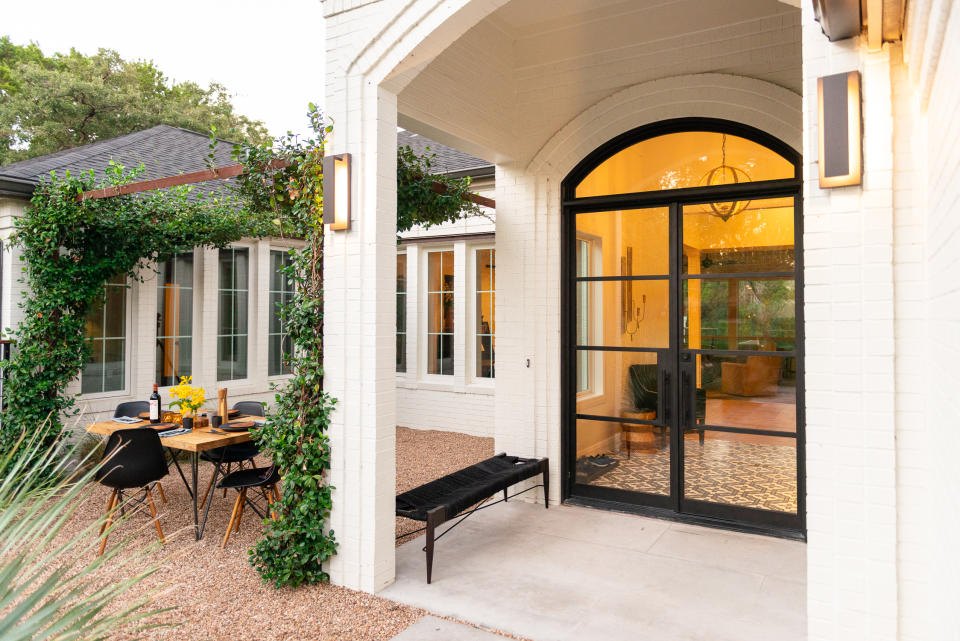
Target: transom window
[
  {"x": 440, "y": 312},
  {"x": 685, "y": 159},
  {"x": 106, "y": 335},
  {"x": 174, "y": 319},
  {"x": 233, "y": 295}
]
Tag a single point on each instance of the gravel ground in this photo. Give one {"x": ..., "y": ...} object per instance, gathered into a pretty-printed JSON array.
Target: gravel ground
[{"x": 218, "y": 595}]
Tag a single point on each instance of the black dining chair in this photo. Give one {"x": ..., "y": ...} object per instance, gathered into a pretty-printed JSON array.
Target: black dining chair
[
  {"x": 132, "y": 460},
  {"x": 265, "y": 478},
  {"x": 133, "y": 409},
  {"x": 238, "y": 453}
]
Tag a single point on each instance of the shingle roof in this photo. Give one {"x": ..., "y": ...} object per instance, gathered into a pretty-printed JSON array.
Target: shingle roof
[
  {"x": 168, "y": 151},
  {"x": 164, "y": 151},
  {"x": 448, "y": 159}
]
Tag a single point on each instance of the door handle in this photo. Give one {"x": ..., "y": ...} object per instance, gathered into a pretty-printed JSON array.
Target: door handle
[
  {"x": 685, "y": 399},
  {"x": 664, "y": 401}
]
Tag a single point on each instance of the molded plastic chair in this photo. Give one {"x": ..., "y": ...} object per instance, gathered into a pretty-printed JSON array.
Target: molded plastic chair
[
  {"x": 132, "y": 408},
  {"x": 238, "y": 453},
  {"x": 133, "y": 459},
  {"x": 266, "y": 478}
]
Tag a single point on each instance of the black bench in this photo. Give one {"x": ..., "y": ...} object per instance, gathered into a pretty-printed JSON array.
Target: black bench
[{"x": 445, "y": 498}]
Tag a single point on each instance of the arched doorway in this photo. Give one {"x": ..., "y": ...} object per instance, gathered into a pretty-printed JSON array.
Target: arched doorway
[{"x": 682, "y": 326}]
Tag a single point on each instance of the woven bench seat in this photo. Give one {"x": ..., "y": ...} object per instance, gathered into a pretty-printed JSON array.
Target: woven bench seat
[{"x": 446, "y": 497}]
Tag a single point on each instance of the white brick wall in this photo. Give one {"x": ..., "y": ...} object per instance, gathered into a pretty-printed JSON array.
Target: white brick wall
[
  {"x": 881, "y": 297},
  {"x": 141, "y": 323}
]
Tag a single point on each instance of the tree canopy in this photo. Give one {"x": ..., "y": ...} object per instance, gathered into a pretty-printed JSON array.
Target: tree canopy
[{"x": 51, "y": 103}]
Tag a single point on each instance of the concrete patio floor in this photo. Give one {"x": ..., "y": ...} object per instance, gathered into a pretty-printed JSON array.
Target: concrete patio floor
[{"x": 575, "y": 573}]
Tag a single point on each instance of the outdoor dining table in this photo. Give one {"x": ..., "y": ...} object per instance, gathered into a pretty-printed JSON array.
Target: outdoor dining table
[{"x": 199, "y": 440}]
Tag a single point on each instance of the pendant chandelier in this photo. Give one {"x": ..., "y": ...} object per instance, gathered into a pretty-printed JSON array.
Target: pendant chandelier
[{"x": 724, "y": 174}]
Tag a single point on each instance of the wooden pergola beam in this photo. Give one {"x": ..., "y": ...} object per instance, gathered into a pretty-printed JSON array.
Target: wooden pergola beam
[{"x": 222, "y": 173}]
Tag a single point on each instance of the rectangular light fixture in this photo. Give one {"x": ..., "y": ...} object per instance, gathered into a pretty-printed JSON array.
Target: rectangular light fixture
[
  {"x": 336, "y": 191},
  {"x": 838, "y": 104}
]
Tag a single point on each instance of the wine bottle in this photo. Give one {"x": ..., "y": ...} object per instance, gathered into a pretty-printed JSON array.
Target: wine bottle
[{"x": 155, "y": 405}]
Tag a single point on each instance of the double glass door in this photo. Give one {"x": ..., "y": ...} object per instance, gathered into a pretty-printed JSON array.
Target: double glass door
[{"x": 682, "y": 357}]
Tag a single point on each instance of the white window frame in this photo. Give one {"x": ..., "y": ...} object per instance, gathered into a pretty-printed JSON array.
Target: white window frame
[
  {"x": 406, "y": 317},
  {"x": 129, "y": 310},
  {"x": 284, "y": 249},
  {"x": 472, "y": 311},
  {"x": 196, "y": 316},
  {"x": 446, "y": 380},
  {"x": 595, "y": 359},
  {"x": 252, "y": 286}
]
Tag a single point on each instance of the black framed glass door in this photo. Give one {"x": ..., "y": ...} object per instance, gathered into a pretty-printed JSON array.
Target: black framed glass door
[{"x": 682, "y": 350}]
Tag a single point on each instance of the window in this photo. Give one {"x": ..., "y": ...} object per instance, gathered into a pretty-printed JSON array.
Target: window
[
  {"x": 401, "y": 312},
  {"x": 232, "y": 325},
  {"x": 281, "y": 293},
  {"x": 440, "y": 313},
  {"x": 106, "y": 336},
  {"x": 486, "y": 301},
  {"x": 583, "y": 315},
  {"x": 174, "y": 319}
]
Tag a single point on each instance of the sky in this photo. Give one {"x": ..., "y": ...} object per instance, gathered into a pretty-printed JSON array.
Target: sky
[{"x": 268, "y": 54}]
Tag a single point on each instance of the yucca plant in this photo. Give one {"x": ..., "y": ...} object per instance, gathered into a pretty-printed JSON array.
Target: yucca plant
[{"x": 49, "y": 583}]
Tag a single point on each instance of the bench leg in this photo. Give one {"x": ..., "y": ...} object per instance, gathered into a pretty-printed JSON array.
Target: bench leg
[
  {"x": 545, "y": 468},
  {"x": 435, "y": 517}
]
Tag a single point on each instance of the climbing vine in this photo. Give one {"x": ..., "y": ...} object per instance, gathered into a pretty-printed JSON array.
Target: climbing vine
[
  {"x": 298, "y": 541},
  {"x": 70, "y": 248}
]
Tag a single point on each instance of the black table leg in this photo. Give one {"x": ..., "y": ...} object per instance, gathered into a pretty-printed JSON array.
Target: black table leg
[{"x": 195, "y": 463}]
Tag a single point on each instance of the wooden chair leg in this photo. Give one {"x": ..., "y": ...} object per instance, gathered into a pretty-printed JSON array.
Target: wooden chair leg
[
  {"x": 153, "y": 512},
  {"x": 243, "y": 503},
  {"x": 104, "y": 529},
  {"x": 227, "y": 474},
  {"x": 269, "y": 495},
  {"x": 163, "y": 497},
  {"x": 276, "y": 492},
  {"x": 233, "y": 516}
]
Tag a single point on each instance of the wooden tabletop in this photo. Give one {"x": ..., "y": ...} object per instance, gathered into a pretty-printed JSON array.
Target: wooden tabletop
[{"x": 198, "y": 440}]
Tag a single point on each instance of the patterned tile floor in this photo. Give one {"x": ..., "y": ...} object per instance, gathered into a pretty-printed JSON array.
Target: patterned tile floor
[{"x": 720, "y": 471}]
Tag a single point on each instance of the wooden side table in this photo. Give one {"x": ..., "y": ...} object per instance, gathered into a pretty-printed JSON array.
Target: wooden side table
[{"x": 642, "y": 435}]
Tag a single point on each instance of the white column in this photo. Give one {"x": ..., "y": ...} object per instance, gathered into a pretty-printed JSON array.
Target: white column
[
  {"x": 360, "y": 325},
  {"x": 850, "y": 375}
]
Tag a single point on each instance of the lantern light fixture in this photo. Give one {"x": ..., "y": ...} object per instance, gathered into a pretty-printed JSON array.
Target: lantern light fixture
[{"x": 336, "y": 191}]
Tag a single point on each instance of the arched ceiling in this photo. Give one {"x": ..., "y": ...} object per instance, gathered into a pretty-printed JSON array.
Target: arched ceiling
[{"x": 527, "y": 69}]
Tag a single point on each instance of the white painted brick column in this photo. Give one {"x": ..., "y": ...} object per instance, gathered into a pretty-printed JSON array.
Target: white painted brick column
[
  {"x": 852, "y": 591},
  {"x": 360, "y": 325}
]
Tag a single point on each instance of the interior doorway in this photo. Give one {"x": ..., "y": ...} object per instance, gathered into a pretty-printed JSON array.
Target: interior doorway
[{"x": 682, "y": 325}]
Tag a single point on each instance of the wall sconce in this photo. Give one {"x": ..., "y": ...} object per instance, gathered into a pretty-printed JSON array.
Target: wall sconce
[
  {"x": 336, "y": 191},
  {"x": 838, "y": 104}
]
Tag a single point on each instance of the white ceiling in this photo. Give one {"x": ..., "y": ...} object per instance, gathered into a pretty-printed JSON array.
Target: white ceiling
[{"x": 518, "y": 76}]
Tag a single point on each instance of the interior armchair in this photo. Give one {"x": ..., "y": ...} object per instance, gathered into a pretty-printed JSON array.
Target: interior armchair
[{"x": 758, "y": 376}]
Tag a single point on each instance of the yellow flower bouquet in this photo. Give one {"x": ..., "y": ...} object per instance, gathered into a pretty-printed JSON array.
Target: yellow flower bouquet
[{"x": 187, "y": 397}]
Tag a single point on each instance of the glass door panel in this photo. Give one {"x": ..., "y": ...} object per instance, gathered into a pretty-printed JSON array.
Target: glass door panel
[
  {"x": 742, "y": 470},
  {"x": 738, "y": 330},
  {"x": 622, "y": 339}
]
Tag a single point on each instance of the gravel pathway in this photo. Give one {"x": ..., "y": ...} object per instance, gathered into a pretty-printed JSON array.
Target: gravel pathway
[{"x": 218, "y": 595}]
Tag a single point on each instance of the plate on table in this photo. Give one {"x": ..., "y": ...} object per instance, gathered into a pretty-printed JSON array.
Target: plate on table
[
  {"x": 162, "y": 426},
  {"x": 233, "y": 413},
  {"x": 238, "y": 426}
]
